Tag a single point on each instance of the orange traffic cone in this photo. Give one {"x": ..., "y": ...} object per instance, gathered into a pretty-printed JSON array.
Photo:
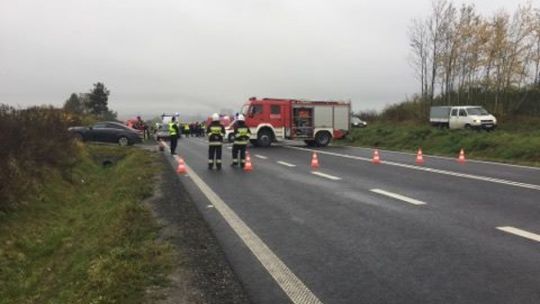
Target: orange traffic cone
[
  {"x": 461, "y": 158},
  {"x": 314, "y": 161},
  {"x": 161, "y": 146},
  {"x": 419, "y": 157},
  {"x": 376, "y": 157},
  {"x": 248, "y": 167},
  {"x": 181, "y": 169}
]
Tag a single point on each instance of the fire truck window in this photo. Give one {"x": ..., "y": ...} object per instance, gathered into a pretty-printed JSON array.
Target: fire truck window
[
  {"x": 275, "y": 110},
  {"x": 256, "y": 109}
]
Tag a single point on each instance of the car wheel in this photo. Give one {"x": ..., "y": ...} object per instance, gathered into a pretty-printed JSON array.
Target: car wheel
[
  {"x": 323, "y": 138},
  {"x": 78, "y": 137},
  {"x": 123, "y": 141}
]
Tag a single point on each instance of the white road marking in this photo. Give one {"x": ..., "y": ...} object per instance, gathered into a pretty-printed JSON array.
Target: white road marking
[
  {"x": 398, "y": 197},
  {"x": 210, "y": 206},
  {"x": 285, "y": 164},
  {"x": 260, "y": 156},
  {"x": 521, "y": 233},
  {"x": 427, "y": 169},
  {"x": 295, "y": 289},
  {"x": 326, "y": 175},
  {"x": 452, "y": 158}
]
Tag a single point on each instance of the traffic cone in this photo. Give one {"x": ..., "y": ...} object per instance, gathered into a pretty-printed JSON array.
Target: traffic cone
[
  {"x": 181, "y": 169},
  {"x": 248, "y": 167},
  {"x": 376, "y": 157},
  {"x": 419, "y": 157},
  {"x": 161, "y": 146},
  {"x": 314, "y": 161},
  {"x": 461, "y": 157}
]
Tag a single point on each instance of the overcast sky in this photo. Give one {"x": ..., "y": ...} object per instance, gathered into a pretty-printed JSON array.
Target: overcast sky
[{"x": 200, "y": 56}]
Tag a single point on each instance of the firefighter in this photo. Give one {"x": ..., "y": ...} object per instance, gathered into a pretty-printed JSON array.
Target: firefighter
[
  {"x": 186, "y": 130},
  {"x": 241, "y": 139},
  {"x": 174, "y": 133},
  {"x": 216, "y": 132}
]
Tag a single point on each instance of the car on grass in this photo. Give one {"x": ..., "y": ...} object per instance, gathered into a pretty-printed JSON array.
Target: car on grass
[
  {"x": 108, "y": 131},
  {"x": 356, "y": 122}
]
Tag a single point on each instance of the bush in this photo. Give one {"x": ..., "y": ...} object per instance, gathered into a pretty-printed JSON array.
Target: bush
[{"x": 32, "y": 140}]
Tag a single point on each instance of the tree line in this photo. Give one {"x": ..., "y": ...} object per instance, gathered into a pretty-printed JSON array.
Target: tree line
[
  {"x": 93, "y": 103},
  {"x": 463, "y": 57}
]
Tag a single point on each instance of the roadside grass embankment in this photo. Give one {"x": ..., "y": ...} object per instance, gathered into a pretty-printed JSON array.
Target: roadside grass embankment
[
  {"x": 86, "y": 238},
  {"x": 512, "y": 143}
]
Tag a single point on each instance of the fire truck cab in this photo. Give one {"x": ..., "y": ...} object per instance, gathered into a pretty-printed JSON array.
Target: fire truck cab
[{"x": 315, "y": 122}]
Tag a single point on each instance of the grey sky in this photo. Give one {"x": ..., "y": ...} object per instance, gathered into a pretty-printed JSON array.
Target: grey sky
[{"x": 202, "y": 55}]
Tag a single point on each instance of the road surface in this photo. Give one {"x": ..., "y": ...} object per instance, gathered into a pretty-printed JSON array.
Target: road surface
[{"x": 355, "y": 232}]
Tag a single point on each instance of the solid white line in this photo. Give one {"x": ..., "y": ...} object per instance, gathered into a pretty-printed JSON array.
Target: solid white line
[
  {"x": 519, "y": 232},
  {"x": 285, "y": 164},
  {"x": 451, "y": 158},
  {"x": 426, "y": 169},
  {"x": 260, "y": 156},
  {"x": 326, "y": 175},
  {"x": 398, "y": 197},
  {"x": 297, "y": 291}
]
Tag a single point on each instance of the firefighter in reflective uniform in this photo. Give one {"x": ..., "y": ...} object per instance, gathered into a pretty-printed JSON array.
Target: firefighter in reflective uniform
[
  {"x": 241, "y": 139},
  {"x": 186, "y": 130},
  {"x": 215, "y": 132}
]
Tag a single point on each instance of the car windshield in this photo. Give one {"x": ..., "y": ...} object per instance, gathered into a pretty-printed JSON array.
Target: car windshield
[
  {"x": 477, "y": 111},
  {"x": 355, "y": 119}
]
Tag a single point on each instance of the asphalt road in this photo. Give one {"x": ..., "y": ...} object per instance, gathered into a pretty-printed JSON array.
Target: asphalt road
[{"x": 355, "y": 232}]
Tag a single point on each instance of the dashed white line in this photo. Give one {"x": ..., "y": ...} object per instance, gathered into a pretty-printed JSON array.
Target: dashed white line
[
  {"x": 326, "y": 175},
  {"x": 286, "y": 164},
  {"x": 260, "y": 156},
  {"x": 398, "y": 197},
  {"x": 520, "y": 232},
  {"x": 295, "y": 289},
  {"x": 426, "y": 169}
]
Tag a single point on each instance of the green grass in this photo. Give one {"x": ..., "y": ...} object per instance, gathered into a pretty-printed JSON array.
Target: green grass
[
  {"x": 88, "y": 240},
  {"x": 511, "y": 143}
]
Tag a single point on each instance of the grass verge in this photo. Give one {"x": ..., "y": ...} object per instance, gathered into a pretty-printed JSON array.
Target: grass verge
[
  {"x": 88, "y": 240},
  {"x": 510, "y": 144}
]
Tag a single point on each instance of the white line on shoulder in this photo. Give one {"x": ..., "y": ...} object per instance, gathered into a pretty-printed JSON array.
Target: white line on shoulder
[{"x": 295, "y": 289}]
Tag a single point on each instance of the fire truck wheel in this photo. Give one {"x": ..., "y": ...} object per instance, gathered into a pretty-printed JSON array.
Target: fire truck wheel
[
  {"x": 264, "y": 138},
  {"x": 323, "y": 138}
]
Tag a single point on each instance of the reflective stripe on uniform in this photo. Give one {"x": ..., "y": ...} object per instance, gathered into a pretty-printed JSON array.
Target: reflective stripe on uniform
[
  {"x": 241, "y": 143},
  {"x": 215, "y": 143}
]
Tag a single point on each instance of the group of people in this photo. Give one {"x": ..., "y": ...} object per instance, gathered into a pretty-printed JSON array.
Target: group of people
[
  {"x": 194, "y": 129},
  {"x": 216, "y": 136}
]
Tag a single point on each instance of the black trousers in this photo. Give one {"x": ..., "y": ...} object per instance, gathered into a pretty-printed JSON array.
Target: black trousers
[
  {"x": 214, "y": 152},
  {"x": 174, "y": 143},
  {"x": 239, "y": 149}
]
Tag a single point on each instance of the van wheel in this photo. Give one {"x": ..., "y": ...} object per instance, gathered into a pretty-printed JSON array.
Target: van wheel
[
  {"x": 468, "y": 126},
  {"x": 323, "y": 138},
  {"x": 123, "y": 141},
  {"x": 264, "y": 138}
]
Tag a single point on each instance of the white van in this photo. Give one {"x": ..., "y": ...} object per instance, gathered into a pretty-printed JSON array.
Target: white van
[{"x": 462, "y": 117}]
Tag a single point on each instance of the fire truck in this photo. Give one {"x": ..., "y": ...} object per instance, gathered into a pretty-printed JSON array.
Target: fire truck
[{"x": 315, "y": 122}]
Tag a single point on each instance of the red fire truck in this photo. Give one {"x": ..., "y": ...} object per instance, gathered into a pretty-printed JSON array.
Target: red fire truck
[{"x": 315, "y": 122}]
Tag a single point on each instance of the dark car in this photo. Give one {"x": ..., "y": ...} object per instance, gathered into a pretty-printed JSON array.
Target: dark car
[{"x": 108, "y": 131}]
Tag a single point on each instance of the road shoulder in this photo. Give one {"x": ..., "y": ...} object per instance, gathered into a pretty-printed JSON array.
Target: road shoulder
[{"x": 201, "y": 273}]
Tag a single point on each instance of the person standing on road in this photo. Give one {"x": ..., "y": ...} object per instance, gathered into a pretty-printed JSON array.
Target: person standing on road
[
  {"x": 173, "y": 134},
  {"x": 215, "y": 131},
  {"x": 186, "y": 130},
  {"x": 241, "y": 139}
]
